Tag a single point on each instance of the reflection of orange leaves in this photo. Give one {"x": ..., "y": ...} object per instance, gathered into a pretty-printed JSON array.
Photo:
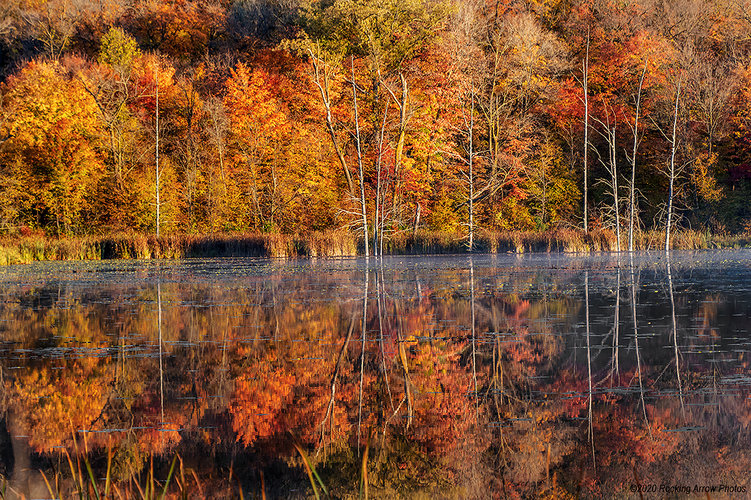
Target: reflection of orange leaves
[
  {"x": 569, "y": 396},
  {"x": 158, "y": 436},
  {"x": 158, "y": 441},
  {"x": 52, "y": 405},
  {"x": 444, "y": 407},
  {"x": 417, "y": 323},
  {"x": 259, "y": 398},
  {"x": 620, "y": 429}
]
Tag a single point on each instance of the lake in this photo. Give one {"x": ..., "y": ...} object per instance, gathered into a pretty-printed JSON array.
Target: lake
[{"x": 453, "y": 376}]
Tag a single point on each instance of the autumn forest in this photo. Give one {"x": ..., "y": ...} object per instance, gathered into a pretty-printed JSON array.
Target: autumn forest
[{"x": 375, "y": 117}]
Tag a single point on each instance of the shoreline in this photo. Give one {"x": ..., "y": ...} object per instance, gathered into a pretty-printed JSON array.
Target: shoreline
[{"x": 341, "y": 243}]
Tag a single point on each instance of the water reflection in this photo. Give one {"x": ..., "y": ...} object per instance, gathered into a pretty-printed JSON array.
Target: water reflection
[{"x": 451, "y": 376}]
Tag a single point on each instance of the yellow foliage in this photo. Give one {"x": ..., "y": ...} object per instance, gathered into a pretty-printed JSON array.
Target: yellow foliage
[
  {"x": 54, "y": 130},
  {"x": 705, "y": 182}
]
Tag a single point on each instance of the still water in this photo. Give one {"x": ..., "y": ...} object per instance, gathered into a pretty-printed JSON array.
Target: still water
[{"x": 454, "y": 376}]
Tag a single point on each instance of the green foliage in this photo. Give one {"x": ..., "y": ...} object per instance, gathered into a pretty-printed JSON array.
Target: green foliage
[
  {"x": 388, "y": 31},
  {"x": 118, "y": 49}
]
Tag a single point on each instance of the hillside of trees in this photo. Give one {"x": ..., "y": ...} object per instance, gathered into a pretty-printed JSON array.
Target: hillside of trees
[{"x": 383, "y": 116}]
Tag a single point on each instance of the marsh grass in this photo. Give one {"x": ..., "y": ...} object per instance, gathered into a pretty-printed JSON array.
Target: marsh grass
[
  {"x": 340, "y": 243},
  {"x": 79, "y": 482}
]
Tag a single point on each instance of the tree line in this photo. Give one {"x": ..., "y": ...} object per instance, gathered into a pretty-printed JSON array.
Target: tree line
[{"x": 384, "y": 116}]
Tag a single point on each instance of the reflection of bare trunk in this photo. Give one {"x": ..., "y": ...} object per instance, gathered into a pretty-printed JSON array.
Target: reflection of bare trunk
[
  {"x": 276, "y": 315},
  {"x": 379, "y": 292},
  {"x": 675, "y": 335},
  {"x": 472, "y": 319},
  {"x": 636, "y": 341},
  {"x": 405, "y": 368},
  {"x": 224, "y": 366},
  {"x": 362, "y": 351},
  {"x": 21, "y": 458},
  {"x": 337, "y": 368},
  {"x": 590, "y": 429},
  {"x": 161, "y": 367},
  {"x": 25, "y": 482},
  {"x": 616, "y": 327}
]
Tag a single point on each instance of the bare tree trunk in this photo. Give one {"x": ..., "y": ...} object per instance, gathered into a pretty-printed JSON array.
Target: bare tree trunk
[
  {"x": 359, "y": 161},
  {"x": 382, "y": 224},
  {"x": 671, "y": 173},
  {"x": 632, "y": 188},
  {"x": 156, "y": 80},
  {"x": 586, "y": 132},
  {"x": 401, "y": 102},
  {"x": 614, "y": 176},
  {"x": 417, "y": 219},
  {"x": 471, "y": 172},
  {"x": 321, "y": 78},
  {"x": 379, "y": 163}
]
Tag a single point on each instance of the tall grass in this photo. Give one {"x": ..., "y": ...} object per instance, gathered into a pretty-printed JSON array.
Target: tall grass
[
  {"x": 23, "y": 250},
  {"x": 79, "y": 482},
  {"x": 337, "y": 243}
]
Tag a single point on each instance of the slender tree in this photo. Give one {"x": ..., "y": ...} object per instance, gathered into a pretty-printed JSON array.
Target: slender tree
[
  {"x": 322, "y": 76},
  {"x": 470, "y": 160},
  {"x": 585, "y": 84},
  {"x": 672, "y": 169},
  {"x": 361, "y": 173},
  {"x": 632, "y": 186},
  {"x": 611, "y": 166},
  {"x": 156, "y": 131},
  {"x": 379, "y": 195},
  {"x": 614, "y": 184}
]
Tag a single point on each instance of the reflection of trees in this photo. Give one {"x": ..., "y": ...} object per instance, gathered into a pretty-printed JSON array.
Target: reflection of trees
[{"x": 469, "y": 386}]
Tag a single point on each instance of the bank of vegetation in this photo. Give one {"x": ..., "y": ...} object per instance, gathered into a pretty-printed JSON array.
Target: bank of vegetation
[
  {"x": 265, "y": 127},
  {"x": 27, "y": 249}
]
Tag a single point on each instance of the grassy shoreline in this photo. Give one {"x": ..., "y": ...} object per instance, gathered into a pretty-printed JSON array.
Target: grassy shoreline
[{"x": 26, "y": 249}]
